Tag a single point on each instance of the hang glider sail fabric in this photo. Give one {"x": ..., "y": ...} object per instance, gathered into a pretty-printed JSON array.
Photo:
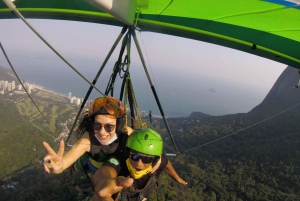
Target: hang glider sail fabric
[{"x": 267, "y": 28}]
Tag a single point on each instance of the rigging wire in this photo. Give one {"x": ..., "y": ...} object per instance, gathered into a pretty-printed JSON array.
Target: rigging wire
[
  {"x": 24, "y": 86},
  {"x": 169, "y": 147},
  {"x": 151, "y": 85},
  {"x": 44, "y": 131},
  {"x": 13, "y": 8},
  {"x": 148, "y": 61},
  {"x": 242, "y": 129}
]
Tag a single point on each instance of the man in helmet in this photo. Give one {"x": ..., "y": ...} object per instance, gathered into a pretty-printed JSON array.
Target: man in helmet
[{"x": 144, "y": 150}]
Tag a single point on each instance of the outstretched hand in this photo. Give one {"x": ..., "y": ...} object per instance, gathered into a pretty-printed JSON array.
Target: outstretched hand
[
  {"x": 53, "y": 162},
  {"x": 107, "y": 187}
]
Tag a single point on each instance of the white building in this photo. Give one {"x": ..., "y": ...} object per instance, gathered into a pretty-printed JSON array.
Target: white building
[
  {"x": 19, "y": 87},
  {"x": 13, "y": 85},
  {"x": 9, "y": 87},
  {"x": 28, "y": 88},
  {"x": 143, "y": 113},
  {"x": 77, "y": 101},
  {"x": 69, "y": 95},
  {"x": 1, "y": 84},
  {"x": 5, "y": 85},
  {"x": 73, "y": 99}
]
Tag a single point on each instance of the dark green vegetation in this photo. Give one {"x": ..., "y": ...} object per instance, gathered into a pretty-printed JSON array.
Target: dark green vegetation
[
  {"x": 253, "y": 156},
  {"x": 23, "y": 128}
]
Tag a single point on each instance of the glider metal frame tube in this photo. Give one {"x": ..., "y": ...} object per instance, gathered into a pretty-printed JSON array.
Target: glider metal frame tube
[
  {"x": 152, "y": 86},
  {"x": 73, "y": 68},
  {"x": 95, "y": 80}
]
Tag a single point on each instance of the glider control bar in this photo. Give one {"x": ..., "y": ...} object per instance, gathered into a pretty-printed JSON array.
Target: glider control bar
[
  {"x": 95, "y": 80},
  {"x": 152, "y": 86}
]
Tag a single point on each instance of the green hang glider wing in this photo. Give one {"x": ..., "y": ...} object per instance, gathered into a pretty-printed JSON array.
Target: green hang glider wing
[{"x": 267, "y": 28}]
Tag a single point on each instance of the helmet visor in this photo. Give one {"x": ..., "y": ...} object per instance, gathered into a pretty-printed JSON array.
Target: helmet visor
[
  {"x": 137, "y": 156},
  {"x": 102, "y": 105}
]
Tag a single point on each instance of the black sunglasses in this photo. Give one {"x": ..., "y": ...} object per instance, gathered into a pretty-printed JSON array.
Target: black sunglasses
[
  {"x": 145, "y": 159},
  {"x": 107, "y": 127}
]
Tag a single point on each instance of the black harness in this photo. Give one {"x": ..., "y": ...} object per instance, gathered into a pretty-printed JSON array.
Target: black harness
[
  {"x": 132, "y": 193},
  {"x": 97, "y": 147}
]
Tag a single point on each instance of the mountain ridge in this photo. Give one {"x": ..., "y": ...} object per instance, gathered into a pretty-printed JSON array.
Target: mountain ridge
[{"x": 283, "y": 96}]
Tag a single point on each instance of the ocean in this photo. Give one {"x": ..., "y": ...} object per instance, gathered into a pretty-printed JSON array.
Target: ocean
[
  {"x": 188, "y": 76},
  {"x": 180, "y": 94}
]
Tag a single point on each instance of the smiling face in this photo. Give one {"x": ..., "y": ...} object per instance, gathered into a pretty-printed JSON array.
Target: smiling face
[{"x": 105, "y": 128}]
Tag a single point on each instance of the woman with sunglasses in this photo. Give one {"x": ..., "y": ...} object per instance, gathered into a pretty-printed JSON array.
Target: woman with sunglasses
[
  {"x": 99, "y": 133},
  {"x": 144, "y": 149}
]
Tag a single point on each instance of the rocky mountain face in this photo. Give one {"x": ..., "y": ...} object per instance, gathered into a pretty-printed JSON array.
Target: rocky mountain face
[{"x": 283, "y": 96}]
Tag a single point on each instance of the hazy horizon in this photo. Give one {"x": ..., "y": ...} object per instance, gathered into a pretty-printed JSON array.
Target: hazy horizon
[{"x": 188, "y": 75}]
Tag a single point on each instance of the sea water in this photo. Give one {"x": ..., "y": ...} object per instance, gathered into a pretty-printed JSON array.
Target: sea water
[{"x": 179, "y": 94}]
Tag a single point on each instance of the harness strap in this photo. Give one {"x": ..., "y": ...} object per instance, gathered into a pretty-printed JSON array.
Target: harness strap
[{"x": 128, "y": 194}]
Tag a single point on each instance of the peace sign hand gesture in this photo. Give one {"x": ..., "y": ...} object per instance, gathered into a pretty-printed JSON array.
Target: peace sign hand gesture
[{"x": 53, "y": 162}]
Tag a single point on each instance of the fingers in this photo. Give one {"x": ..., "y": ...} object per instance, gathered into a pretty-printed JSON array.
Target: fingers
[
  {"x": 49, "y": 149},
  {"x": 105, "y": 192},
  {"x": 124, "y": 182},
  {"x": 61, "y": 148},
  {"x": 53, "y": 163},
  {"x": 111, "y": 186},
  {"x": 47, "y": 166}
]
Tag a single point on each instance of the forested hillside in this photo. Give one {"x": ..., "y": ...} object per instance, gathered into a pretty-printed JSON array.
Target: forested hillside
[
  {"x": 6, "y": 74},
  {"x": 233, "y": 157}
]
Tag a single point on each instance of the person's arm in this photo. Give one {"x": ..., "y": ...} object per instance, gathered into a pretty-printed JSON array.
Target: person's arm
[
  {"x": 106, "y": 183},
  {"x": 171, "y": 171},
  {"x": 57, "y": 162}
]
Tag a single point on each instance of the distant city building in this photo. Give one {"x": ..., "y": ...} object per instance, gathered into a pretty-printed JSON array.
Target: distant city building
[
  {"x": 143, "y": 113},
  {"x": 5, "y": 85},
  {"x": 2, "y": 92},
  {"x": 69, "y": 95},
  {"x": 19, "y": 87},
  {"x": 77, "y": 101},
  {"x": 9, "y": 87},
  {"x": 28, "y": 88},
  {"x": 13, "y": 85},
  {"x": 24, "y": 82},
  {"x": 1, "y": 84}
]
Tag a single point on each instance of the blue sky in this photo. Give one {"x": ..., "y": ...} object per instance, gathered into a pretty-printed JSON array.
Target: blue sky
[{"x": 175, "y": 64}]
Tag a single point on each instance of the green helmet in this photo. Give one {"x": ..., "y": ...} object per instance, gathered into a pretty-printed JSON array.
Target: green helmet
[{"x": 145, "y": 141}]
